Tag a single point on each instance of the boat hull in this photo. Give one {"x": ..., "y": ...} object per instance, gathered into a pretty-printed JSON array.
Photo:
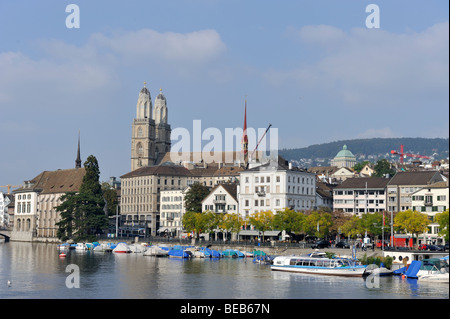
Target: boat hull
[{"x": 339, "y": 271}]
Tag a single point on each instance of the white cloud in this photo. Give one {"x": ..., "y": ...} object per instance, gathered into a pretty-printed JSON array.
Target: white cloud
[
  {"x": 368, "y": 68},
  {"x": 198, "y": 46}
]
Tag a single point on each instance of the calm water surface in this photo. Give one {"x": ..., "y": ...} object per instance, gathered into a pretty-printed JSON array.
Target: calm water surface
[{"x": 36, "y": 272}]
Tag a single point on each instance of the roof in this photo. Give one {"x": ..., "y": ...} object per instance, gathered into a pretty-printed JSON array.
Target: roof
[
  {"x": 165, "y": 169},
  {"x": 229, "y": 188},
  {"x": 344, "y": 153},
  {"x": 360, "y": 182},
  {"x": 53, "y": 182},
  {"x": 416, "y": 178},
  {"x": 200, "y": 157}
]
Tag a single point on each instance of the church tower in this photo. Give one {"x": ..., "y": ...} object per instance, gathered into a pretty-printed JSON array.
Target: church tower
[
  {"x": 150, "y": 138},
  {"x": 163, "y": 129},
  {"x": 143, "y": 132}
]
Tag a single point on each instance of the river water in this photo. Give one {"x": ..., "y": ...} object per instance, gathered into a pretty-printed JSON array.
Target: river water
[{"x": 35, "y": 271}]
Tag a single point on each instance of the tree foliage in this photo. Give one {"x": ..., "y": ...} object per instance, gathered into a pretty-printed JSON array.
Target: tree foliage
[
  {"x": 412, "y": 222},
  {"x": 83, "y": 213},
  {"x": 442, "y": 219},
  {"x": 194, "y": 197}
]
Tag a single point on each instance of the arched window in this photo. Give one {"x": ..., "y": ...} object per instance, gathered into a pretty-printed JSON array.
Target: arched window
[{"x": 140, "y": 149}]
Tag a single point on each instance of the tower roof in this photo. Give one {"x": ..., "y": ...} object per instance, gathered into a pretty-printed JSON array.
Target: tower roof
[
  {"x": 144, "y": 89},
  {"x": 345, "y": 153},
  {"x": 161, "y": 96}
]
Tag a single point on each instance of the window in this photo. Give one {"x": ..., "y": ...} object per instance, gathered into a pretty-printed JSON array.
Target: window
[{"x": 278, "y": 179}]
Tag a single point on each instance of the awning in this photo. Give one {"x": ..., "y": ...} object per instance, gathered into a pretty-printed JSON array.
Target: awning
[{"x": 256, "y": 233}]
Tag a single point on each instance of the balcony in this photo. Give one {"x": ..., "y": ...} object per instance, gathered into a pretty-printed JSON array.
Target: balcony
[{"x": 219, "y": 201}]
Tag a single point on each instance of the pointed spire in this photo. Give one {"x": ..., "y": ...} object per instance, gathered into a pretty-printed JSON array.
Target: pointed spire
[
  {"x": 245, "y": 137},
  {"x": 78, "y": 160}
]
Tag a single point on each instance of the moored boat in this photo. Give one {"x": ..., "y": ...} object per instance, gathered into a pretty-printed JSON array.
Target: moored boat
[
  {"x": 121, "y": 248},
  {"x": 318, "y": 264}
]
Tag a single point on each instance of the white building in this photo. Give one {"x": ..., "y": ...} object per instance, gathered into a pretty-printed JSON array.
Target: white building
[
  {"x": 274, "y": 186},
  {"x": 172, "y": 209},
  {"x": 361, "y": 195},
  {"x": 222, "y": 199},
  {"x": 4, "y": 202},
  {"x": 431, "y": 200}
]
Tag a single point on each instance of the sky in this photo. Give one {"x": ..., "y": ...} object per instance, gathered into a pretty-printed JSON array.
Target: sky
[{"x": 317, "y": 71}]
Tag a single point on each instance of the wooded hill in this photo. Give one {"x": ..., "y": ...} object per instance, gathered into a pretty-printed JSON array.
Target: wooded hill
[{"x": 367, "y": 149}]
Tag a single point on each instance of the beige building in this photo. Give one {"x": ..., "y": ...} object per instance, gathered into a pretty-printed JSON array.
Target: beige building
[
  {"x": 140, "y": 195},
  {"x": 35, "y": 214},
  {"x": 401, "y": 187}
]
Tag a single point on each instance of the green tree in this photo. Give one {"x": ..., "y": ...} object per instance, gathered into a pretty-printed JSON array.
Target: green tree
[
  {"x": 318, "y": 224},
  {"x": 83, "y": 213},
  {"x": 110, "y": 196},
  {"x": 194, "y": 197},
  {"x": 412, "y": 222},
  {"x": 231, "y": 223},
  {"x": 359, "y": 166},
  {"x": 442, "y": 219},
  {"x": 211, "y": 221},
  {"x": 289, "y": 220},
  {"x": 383, "y": 167},
  {"x": 262, "y": 221},
  {"x": 352, "y": 227},
  {"x": 193, "y": 222}
]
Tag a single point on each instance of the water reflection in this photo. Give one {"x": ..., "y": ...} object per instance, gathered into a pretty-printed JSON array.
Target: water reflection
[{"x": 36, "y": 271}]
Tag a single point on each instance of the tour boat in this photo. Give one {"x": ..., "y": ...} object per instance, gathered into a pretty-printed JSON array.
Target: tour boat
[{"x": 318, "y": 264}]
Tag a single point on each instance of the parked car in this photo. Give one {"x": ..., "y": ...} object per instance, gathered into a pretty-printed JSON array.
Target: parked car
[
  {"x": 446, "y": 246},
  {"x": 382, "y": 243},
  {"x": 434, "y": 248},
  {"x": 321, "y": 244},
  {"x": 423, "y": 247},
  {"x": 342, "y": 244}
]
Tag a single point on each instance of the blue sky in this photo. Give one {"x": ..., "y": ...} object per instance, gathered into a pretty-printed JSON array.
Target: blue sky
[{"x": 310, "y": 68}]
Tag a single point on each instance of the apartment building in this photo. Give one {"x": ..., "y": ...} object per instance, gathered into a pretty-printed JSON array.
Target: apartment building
[{"x": 361, "y": 195}]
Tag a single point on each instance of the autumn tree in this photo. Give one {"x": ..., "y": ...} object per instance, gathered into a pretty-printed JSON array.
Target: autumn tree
[
  {"x": 412, "y": 222},
  {"x": 262, "y": 221},
  {"x": 289, "y": 221},
  {"x": 442, "y": 219}
]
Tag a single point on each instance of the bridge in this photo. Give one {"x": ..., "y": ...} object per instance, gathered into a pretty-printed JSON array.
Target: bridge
[{"x": 6, "y": 233}]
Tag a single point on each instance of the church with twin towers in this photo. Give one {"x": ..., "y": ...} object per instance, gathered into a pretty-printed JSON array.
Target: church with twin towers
[{"x": 150, "y": 139}]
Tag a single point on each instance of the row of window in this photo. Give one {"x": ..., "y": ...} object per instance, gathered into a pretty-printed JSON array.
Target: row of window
[
  {"x": 266, "y": 179},
  {"x": 28, "y": 196},
  {"x": 24, "y": 207}
]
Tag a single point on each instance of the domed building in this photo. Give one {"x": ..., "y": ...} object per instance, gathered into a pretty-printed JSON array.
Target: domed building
[{"x": 344, "y": 158}]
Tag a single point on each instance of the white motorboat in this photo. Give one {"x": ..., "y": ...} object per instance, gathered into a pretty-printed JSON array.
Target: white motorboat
[
  {"x": 156, "y": 251},
  {"x": 434, "y": 277},
  {"x": 122, "y": 248},
  {"x": 378, "y": 271},
  {"x": 318, "y": 264},
  {"x": 137, "y": 248},
  {"x": 81, "y": 247}
]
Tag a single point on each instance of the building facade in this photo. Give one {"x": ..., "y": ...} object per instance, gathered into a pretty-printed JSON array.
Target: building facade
[
  {"x": 361, "y": 195},
  {"x": 172, "y": 209},
  {"x": 404, "y": 184},
  {"x": 344, "y": 158},
  {"x": 35, "y": 214},
  {"x": 222, "y": 199},
  {"x": 141, "y": 193},
  {"x": 431, "y": 200},
  {"x": 274, "y": 186}
]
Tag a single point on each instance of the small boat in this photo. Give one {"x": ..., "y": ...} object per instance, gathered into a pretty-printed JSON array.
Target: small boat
[
  {"x": 102, "y": 248},
  {"x": 179, "y": 253},
  {"x": 64, "y": 246},
  {"x": 81, "y": 247},
  {"x": 318, "y": 264},
  {"x": 137, "y": 248},
  {"x": 156, "y": 251},
  {"x": 122, "y": 248},
  {"x": 379, "y": 271}
]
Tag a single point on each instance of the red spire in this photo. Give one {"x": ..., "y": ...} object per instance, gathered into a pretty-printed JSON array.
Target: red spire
[{"x": 244, "y": 136}]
